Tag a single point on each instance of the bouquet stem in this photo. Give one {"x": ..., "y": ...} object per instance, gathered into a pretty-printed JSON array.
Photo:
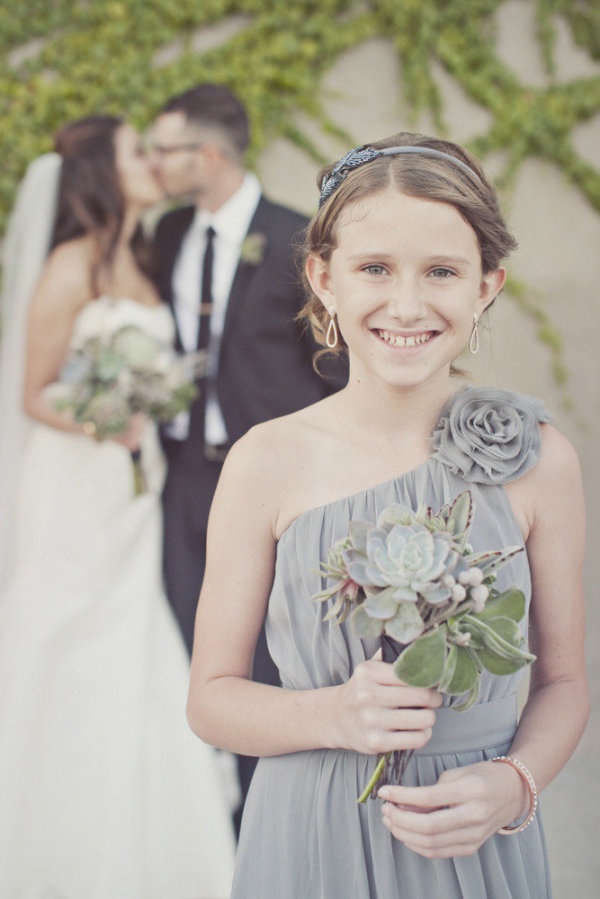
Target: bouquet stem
[
  {"x": 371, "y": 787},
  {"x": 139, "y": 479},
  {"x": 391, "y": 766}
]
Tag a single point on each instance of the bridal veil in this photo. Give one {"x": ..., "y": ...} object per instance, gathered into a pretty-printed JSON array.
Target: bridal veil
[{"x": 24, "y": 251}]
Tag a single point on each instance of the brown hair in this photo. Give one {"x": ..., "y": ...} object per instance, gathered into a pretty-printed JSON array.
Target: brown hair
[
  {"x": 214, "y": 106},
  {"x": 90, "y": 199},
  {"x": 416, "y": 175}
]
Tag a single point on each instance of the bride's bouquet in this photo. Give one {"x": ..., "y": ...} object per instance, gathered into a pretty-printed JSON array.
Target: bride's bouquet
[
  {"x": 413, "y": 581},
  {"x": 111, "y": 377}
]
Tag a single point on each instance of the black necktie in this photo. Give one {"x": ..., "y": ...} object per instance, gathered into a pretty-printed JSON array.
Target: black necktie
[{"x": 206, "y": 299}]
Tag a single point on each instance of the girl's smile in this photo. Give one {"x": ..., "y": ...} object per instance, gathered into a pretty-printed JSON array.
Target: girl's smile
[{"x": 406, "y": 341}]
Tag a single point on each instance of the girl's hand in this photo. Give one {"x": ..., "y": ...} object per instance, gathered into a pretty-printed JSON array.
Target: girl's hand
[
  {"x": 377, "y": 713},
  {"x": 456, "y": 815}
]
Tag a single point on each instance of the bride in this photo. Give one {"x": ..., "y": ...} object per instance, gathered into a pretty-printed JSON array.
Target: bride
[{"x": 104, "y": 791}]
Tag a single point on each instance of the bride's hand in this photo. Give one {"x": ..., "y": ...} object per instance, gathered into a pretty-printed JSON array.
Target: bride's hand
[
  {"x": 377, "y": 713},
  {"x": 132, "y": 436}
]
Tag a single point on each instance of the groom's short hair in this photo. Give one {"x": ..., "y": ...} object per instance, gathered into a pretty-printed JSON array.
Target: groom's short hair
[{"x": 214, "y": 106}]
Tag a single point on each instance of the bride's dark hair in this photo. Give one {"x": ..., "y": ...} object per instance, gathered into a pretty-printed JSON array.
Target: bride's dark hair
[{"x": 90, "y": 199}]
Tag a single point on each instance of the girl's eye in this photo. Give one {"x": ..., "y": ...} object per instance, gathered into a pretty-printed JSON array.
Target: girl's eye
[
  {"x": 442, "y": 272},
  {"x": 374, "y": 269}
]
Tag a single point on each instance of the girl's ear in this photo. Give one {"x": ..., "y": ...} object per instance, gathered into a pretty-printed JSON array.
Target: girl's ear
[
  {"x": 491, "y": 285},
  {"x": 317, "y": 272}
]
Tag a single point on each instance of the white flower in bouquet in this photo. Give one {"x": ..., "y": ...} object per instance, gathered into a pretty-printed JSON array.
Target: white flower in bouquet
[
  {"x": 136, "y": 349},
  {"x": 109, "y": 411},
  {"x": 164, "y": 362},
  {"x": 125, "y": 381}
]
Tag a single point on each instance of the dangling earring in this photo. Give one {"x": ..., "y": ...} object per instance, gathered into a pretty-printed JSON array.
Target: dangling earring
[
  {"x": 474, "y": 341},
  {"x": 332, "y": 336}
]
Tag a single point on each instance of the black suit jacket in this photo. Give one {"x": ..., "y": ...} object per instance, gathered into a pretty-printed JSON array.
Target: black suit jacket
[
  {"x": 265, "y": 364},
  {"x": 265, "y": 370}
]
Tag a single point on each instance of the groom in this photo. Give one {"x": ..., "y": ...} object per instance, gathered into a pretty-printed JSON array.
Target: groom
[{"x": 225, "y": 265}]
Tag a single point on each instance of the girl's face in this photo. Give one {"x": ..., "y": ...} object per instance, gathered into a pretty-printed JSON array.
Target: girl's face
[
  {"x": 138, "y": 184},
  {"x": 405, "y": 281}
]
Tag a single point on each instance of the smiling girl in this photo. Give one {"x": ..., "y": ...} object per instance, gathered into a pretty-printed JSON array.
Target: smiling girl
[{"x": 403, "y": 258}]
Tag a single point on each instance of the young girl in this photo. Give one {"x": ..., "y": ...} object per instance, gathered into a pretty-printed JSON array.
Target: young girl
[{"x": 403, "y": 258}]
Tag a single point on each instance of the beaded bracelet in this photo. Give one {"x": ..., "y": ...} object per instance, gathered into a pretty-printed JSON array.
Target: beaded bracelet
[{"x": 525, "y": 773}]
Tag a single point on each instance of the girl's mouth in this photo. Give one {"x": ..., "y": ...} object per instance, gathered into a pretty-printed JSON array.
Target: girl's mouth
[{"x": 407, "y": 341}]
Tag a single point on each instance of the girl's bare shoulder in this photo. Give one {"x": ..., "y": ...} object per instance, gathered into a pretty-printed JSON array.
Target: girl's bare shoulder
[
  {"x": 557, "y": 466},
  {"x": 551, "y": 486},
  {"x": 280, "y": 445}
]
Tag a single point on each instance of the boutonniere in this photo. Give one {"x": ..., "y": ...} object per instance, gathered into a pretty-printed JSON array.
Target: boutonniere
[{"x": 253, "y": 248}]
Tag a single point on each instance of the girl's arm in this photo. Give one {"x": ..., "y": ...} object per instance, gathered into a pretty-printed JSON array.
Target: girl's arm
[
  {"x": 371, "y": 713},
  {"x": 558, "y": 705},
  {"x": 469, "y": 804}
]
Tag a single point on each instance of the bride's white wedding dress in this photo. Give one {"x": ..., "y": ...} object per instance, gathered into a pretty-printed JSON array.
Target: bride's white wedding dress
[{"x": 104, "y": 791}]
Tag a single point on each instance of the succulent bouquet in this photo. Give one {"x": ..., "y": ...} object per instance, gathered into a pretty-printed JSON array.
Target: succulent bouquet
[
  {"x": 414, "y": 581},
  {"x": 111, "y": 377}
]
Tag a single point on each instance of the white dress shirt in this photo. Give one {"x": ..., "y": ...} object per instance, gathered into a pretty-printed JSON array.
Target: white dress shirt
[{"x": 230, "y": 222}]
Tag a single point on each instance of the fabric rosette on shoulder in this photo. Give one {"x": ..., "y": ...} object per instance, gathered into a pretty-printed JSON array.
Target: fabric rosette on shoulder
[{"x": 489, "y": 436}]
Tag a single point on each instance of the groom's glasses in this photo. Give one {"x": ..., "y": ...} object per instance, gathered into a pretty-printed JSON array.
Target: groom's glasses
[{"x": 164, "y": 150}]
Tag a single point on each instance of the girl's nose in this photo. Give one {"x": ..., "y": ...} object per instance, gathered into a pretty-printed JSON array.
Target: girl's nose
[{"x": 405, "y": 301}]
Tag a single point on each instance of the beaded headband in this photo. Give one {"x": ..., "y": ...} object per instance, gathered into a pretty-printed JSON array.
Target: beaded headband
[{"x": 361, "y": 155}]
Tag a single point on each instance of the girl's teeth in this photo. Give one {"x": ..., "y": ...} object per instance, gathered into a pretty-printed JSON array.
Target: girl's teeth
[{"x": 398, "y": 340}]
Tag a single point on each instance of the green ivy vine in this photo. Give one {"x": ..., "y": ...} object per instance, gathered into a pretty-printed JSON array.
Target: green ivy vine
[{"x": 62, "y": 59}]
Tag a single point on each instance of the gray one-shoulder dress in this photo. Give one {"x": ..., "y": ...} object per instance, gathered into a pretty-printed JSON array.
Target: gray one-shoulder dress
[{"x": 304, "y": 836}]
